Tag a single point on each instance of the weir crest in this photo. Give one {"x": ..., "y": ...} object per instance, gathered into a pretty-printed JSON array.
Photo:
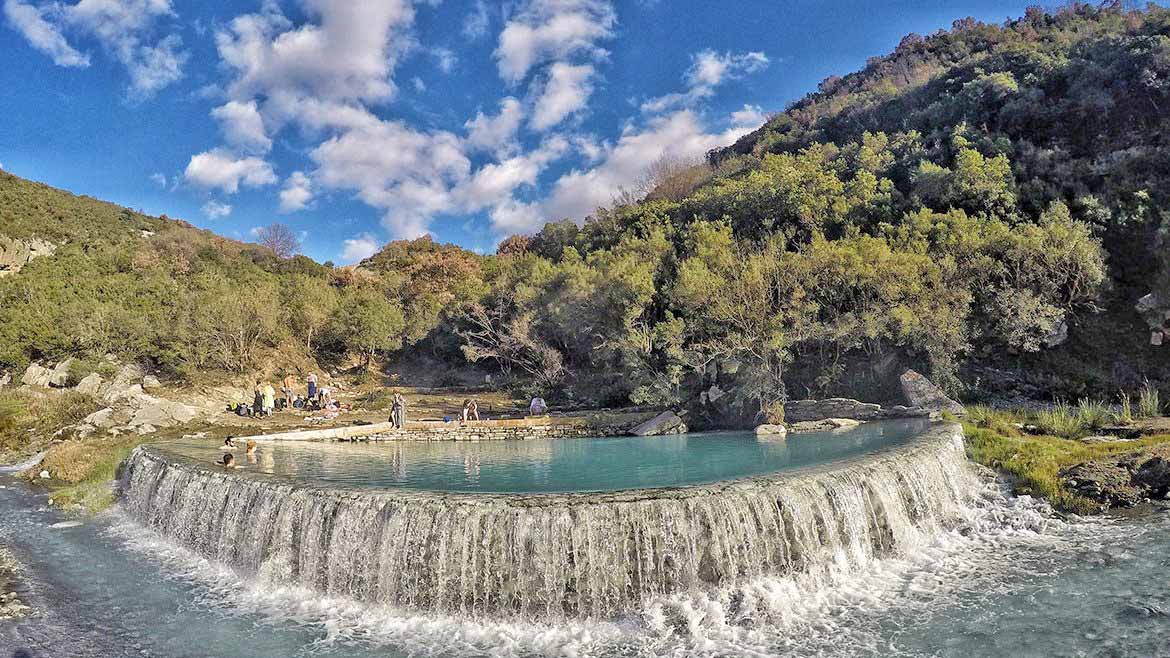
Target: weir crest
[{"x": 555, "y": 555}]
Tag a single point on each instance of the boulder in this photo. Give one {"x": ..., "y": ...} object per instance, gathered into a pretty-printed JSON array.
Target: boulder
[
  {"x": 5, "y": 379},
  {"x": 920, "y": 392},
  {"x": 91, "y": 384},
  {"x": 101, "y": 418},
  {"x": 1108, "y": 483},
  {"x": 126, "y": 382},
  {"x": 666, "y": 422},
  {"x": 714, "y": 393},
  {"x": 772, "y": 431},
  {"x": 36, "y": 376},
  {"x": 160, "y": 412},
  {"x": 150, "y": 382},
  {"x": 59, "y": 376},
  {"x": 797, "y": 411},
  {"x": 1058, "y": 335},
  {"x": 824, "y": 425}
]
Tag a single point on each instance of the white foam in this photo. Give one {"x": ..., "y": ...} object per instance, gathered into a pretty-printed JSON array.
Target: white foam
[{"x": 833, "y": 612}]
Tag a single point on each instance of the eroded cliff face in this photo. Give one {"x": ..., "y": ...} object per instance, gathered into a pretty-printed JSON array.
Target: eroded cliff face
[{"x": 15, "y": 254}]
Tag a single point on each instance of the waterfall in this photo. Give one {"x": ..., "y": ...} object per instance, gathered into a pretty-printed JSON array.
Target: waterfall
[{"x": 554, "y": 555}]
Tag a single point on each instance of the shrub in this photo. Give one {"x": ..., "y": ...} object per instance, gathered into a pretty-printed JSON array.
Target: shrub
[
  {"x": 997, "y": 420},
  {"x": 1093, "y": 414},
  {"x": 1124, "y": 414},
  {"x": 1149, "y": 401},
  {"x": 1061, "y": 420}
]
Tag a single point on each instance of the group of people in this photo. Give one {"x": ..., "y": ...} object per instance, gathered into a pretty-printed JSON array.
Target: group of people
[
  {"x": 229, "y": 445},
  {"x": 265, "y": 402}
]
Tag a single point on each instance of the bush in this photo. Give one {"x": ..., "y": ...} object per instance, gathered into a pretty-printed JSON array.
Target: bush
[
  {"x": 1149, "y": 401},
  {"x": 1061, "y": 420},
  {"x": 1093, "y": 414}
]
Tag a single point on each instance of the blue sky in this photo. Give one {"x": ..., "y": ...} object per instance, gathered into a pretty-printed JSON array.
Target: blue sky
[{"x": 360, "y": 122}]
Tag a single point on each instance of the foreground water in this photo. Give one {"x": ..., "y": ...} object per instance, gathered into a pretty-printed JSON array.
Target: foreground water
[
  {"x": 553, "y": 465},
  {"x": 1010, "y": 581}
]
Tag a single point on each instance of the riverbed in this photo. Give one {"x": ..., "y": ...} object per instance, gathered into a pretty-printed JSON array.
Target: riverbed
[{"x": 1015, "y": 580}]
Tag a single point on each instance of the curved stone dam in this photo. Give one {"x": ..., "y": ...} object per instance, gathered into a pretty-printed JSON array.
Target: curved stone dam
[{"x": 585, "y": 554}]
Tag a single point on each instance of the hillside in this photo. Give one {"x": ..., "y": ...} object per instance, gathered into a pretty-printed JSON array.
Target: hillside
[{"x": 983, "y": 205}]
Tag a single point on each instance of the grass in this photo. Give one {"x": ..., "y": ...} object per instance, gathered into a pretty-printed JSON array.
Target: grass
[
  {"x": 28, "y": 420},
  {"x": 83, "y": 471},
  {"x": 1034, "y": 462},
  {"x": 1149, "y": 401}
]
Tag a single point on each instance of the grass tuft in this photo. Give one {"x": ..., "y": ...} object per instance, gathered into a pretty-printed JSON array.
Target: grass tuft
[{"x": 1149, "y": 401}]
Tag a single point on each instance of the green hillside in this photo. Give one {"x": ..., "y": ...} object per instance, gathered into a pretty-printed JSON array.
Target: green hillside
[{"x": 984, "y": 205}]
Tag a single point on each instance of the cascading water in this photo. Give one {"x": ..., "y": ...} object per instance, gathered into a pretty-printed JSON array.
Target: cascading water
[{"x": 554, "y": 555}]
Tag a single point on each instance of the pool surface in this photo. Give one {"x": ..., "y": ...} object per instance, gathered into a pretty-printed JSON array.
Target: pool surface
[{"x": 551, "y": 465}]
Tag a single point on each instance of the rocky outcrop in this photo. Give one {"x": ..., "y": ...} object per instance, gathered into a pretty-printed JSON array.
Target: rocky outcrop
[
  {"x": 798, "y": 411},
  {"x": 666, "y": 422},
  {"x": 920, "y": 392},
  {"x": 824, "y": 425},
  {"x": 15, "y": 254},
  {"x": 772, "y": 431},
  {"x": 35, "y": 375},
  {"x": 1124, "y": 480},
  {"x": 91, "y": 384}
]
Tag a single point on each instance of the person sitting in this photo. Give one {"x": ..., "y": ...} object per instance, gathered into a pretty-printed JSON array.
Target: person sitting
[
  {"x": 228, "y": 460},
  {"x": 537, "y": 407}
]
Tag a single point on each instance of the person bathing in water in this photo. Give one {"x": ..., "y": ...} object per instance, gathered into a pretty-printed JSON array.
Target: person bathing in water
[
  {"x": 250, "y": 451},
  {"x": 229, "y": 443},
  {"x": 228, "y": 460}
]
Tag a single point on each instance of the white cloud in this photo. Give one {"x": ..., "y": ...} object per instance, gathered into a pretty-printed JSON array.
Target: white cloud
[
  {"x": 242, "y": 125},
  {"x": 216, "y": 210},
  {"x": 578, "y": 193},
  {"x": 751, "y": 116},
  {"x": 567, "y": 91},
  {"x": 224, "y": 170},
  {"x": 494, "y": 183},
  {"x": 708, "y": 70},
  {"x": 122, "y": 27},
  {"x": 419, "y": 85},
  {"x": 348, "y": 55},
  {"x": 546, "y": 30},
  {"x": 475, "y": 25},
  {"x": 445, "y": 59},
  {"x": 41, "y": 34},
  {"x": 360, "y": 248},
  {"x": 297, "y": 192},
  {"x": 159, "y": 178},
  {"x": 495, "y": 133}
]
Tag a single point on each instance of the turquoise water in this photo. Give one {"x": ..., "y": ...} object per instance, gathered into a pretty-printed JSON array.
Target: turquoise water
[
  {"x": 1015, "y": 582},
  {"x": 554, "y": 465}
]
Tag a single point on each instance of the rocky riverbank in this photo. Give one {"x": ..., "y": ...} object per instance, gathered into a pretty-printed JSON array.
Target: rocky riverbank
[
  {"x": 11, "y": 607},
  {"x": 1122, "y": 480}
]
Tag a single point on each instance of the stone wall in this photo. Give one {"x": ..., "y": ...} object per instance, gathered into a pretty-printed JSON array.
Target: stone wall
[{"x": 535, "y": 427}]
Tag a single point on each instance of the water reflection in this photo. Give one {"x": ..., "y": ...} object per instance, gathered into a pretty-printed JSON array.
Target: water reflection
[{"x": 556, "y": 465}]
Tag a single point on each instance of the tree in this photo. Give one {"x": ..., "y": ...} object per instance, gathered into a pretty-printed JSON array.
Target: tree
[
  {"x": 280, "y": 239},
  {"x": 308, "y": 305},
  {"x": 365, "y": 322}
]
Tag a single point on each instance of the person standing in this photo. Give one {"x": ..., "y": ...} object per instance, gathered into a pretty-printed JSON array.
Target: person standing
[
  {"x": 398, "y": 411},
  {"x": 472, "y": 411},
  {"x": 286, "y": 389},
  {"x": 258, "y": 399},
  {"x": 537, "y": 407},
  {"x": 311, "y": 380},
  {"x": 269, "y": 399}
]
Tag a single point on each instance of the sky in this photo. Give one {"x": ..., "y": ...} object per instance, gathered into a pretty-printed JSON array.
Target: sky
[{"x": 360, "y": 122}]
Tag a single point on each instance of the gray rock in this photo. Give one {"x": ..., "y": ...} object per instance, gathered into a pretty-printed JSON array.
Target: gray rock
[
  {"x": 91, "y": 384},
  {"x": 126, "y": 382},
  {"x": 160, "y": 412},
  {"x": 823, "y": 425},
  {"x": 1058, "y": 335},
  {"x": 920, "y": 392},
  {"x": 150, "y": 381},
  {"x": 714, "y": 393},
  {"x": 36, "y": 376},
  {"x": 102, "y": 418},
  {"x": 15, "y": 254},
  {"x": 772, "y": 431},
  {"x": 5, "y": 379},
  {"x": 798, "y": 411},
  {"x": 143, "y": 430},
  {"x": 666, "y": 422},
  {"x": 59, "y": 377}
]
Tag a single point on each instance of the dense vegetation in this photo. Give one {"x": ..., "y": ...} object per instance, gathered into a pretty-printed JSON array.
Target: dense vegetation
[{"x": 956, "y": 205}]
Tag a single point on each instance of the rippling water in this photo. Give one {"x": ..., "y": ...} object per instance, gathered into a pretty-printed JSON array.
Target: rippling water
[
  {"x": 1013, "y": 581},
  {"x": 554, "y": 465}
]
